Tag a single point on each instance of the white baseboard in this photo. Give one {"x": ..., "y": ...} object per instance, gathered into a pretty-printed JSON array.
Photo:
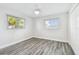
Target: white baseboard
[
  {"x": 4, "y": 46},
  {"x": 73, "y": 48},
  {"x": 51, "y": 39},
  {"x": 26, "y": 38}
]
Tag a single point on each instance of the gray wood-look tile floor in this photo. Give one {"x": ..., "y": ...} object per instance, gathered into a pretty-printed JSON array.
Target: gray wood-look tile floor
[{"x": 36, "y": 46}]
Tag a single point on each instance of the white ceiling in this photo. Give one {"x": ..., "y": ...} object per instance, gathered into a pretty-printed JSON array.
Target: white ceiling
[{"x": 46, "y": 8}]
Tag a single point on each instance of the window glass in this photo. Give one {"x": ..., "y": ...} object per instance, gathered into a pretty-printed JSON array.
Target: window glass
[{"x": 52, "y": 23}]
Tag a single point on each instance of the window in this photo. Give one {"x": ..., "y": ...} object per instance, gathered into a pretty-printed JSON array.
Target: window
[
  {"x": 15, "y": 22},
  {"x": 52, "y": 23}
]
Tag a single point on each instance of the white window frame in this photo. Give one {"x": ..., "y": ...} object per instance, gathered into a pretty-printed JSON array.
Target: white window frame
[{"x": 56, "y": 25}]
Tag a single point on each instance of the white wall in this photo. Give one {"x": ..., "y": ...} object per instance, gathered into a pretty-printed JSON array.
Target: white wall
[
  {"x": 59, "y": 34},
  {"x": 33, "y": 28},
  {"x": 74, "y": 28},
  {"x": 8, "y": 36}
]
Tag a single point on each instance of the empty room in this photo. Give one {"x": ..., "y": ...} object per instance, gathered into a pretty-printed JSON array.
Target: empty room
[{"x": 39, "y": 29}]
